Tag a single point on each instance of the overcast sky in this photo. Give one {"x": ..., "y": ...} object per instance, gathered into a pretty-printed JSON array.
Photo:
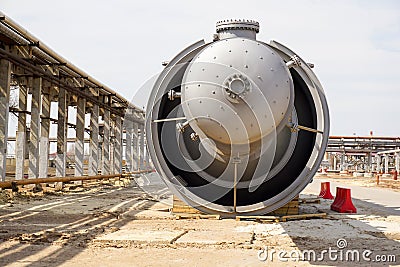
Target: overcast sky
[{"x": 355, "y": 45}]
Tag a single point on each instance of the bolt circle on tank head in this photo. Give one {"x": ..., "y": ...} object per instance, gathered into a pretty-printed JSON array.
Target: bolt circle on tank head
[
  {"x": 237, "y": 28},
  {"x": 236, "y": 85},
  {"x": 237, "y": 24}
]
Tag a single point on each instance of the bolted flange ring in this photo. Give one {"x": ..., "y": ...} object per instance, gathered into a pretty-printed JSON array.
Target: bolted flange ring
[{"x": 236, "y": 86}]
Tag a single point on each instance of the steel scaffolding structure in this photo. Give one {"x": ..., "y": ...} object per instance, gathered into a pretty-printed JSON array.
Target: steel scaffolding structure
[
  {"x": 43, "y": 77},
  {"x": 363, "y": 154}
]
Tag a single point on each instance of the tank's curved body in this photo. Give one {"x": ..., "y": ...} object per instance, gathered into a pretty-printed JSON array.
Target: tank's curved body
[{"x": 237, "y": 126}]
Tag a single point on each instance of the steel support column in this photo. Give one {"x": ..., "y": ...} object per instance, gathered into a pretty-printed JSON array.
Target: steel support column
[
  {"x": 61, "y": 133},
  {"x": 135, "y": 147},
  {"x": 334, "y": 162},
  {"x": 36, "y": 103},
  {"x": 80, "y": 136},
  {"x": 141, "y": 147},
  {"x": 106, "y": 143},
  {"x": 369, "y": 162},
  {"x": 112, "y": 138},
  {"x": 342, "y": 159},
  {"x": 129, "y": 145},
  {"x": 5, "y": 77},
  {"x": 94, "y": 141},
  {"x": 386, "y": 163},
  {"x": 44, "y": 146},
  {"x": 378, "y": 163},
  {"x": 145, "y": 154},
  {"x": 20, "y": 143},
  {"x": 118, "y": 145}
]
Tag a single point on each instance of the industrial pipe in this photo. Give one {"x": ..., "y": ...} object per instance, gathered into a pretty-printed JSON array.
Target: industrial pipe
[
  {"x": 23, "y": 37},
  {"x": 51, "y": 78},
  {"x": 364, "y": 137},
  {"x": 12, "y": 183}
]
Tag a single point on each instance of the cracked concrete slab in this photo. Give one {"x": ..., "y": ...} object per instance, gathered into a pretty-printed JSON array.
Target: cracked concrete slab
[
  {"x": 377, "y": 228},
  {"x": 210, "y": 237},
  {"x": 142, "y": 236},
  {"x": 321, "y": 228}
]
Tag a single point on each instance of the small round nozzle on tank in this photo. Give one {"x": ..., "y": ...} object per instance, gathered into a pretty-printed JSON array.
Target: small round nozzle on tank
[{"x": 237, "y": 28}]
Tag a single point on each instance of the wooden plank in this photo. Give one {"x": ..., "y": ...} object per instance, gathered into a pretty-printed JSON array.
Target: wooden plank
[
  {"x": 309, "y": 200},
  {"x": 303, "y": 216},
  {"x": 196, "y": 216},
  {"x": 258, "y": 218},
  {"x": 188, "y": 211}
]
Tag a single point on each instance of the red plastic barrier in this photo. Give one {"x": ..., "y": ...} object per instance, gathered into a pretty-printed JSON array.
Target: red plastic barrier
[
  {"x": 325, "y": 191},
  {"x": 342, "y": 202}
]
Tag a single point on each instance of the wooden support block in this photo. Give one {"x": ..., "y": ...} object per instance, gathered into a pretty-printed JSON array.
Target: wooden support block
[
  {"x": 309, "y": 200},
  {"x": 303, "y": 216},
  {"x": 291, "y": 208},
  {"x": 258, "y": 218},
  {"x": 178, "y": 206},
  {"x": 196, "y": 216}
]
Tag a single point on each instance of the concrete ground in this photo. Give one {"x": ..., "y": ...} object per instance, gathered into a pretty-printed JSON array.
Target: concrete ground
[{"x": 125, "y": 225}]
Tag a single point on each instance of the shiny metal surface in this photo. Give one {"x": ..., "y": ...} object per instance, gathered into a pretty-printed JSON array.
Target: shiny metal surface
[{"x": 237, "y": 126}]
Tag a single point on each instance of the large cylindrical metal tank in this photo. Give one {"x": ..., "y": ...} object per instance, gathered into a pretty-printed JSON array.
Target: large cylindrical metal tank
[{"x": 237, "y": 125}]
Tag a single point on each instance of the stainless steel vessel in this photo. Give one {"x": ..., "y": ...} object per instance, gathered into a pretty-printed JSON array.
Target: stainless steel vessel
[{"x": 237, "y": 126}]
